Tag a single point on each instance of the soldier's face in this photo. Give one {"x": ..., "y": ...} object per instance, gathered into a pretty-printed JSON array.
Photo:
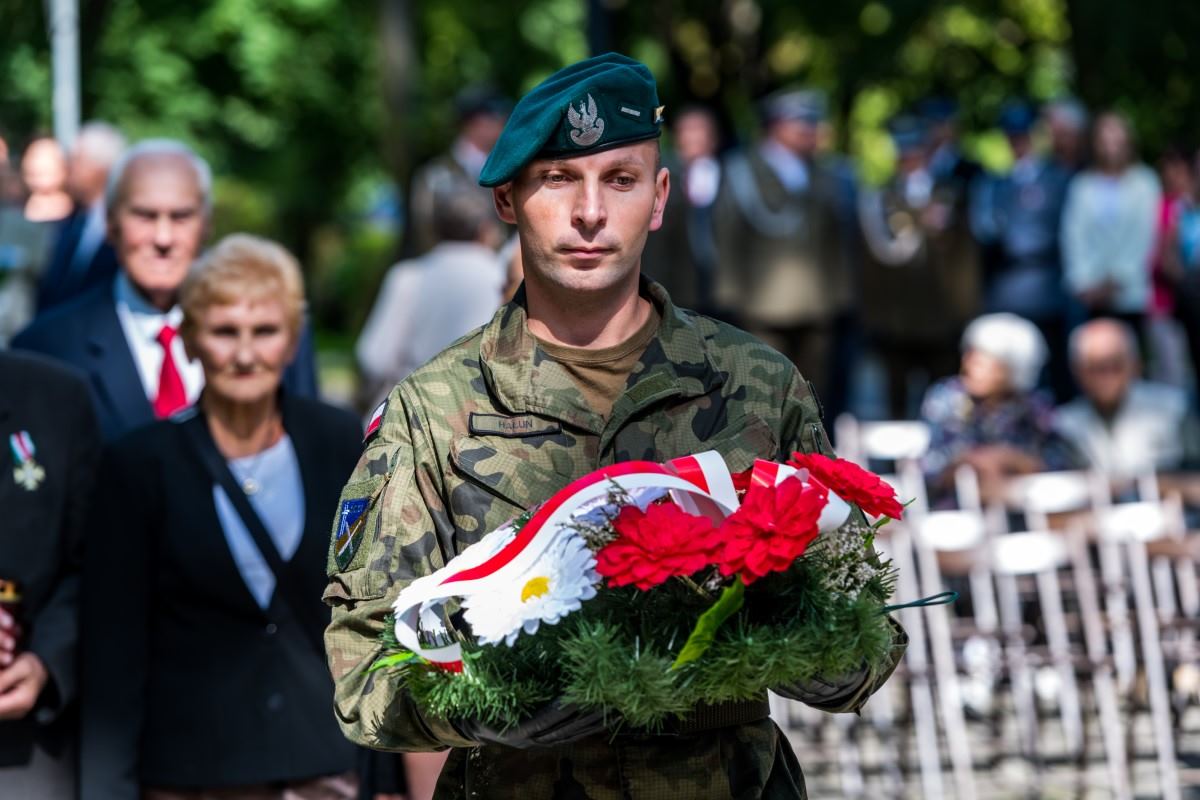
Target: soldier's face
[
  {"x": 583, "y": 221},
  {"x": 244, "y": 348},
  {"x": 158, "y": 225}
]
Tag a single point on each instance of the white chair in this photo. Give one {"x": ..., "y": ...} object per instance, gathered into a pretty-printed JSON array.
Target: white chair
[{"x": 1126, "y": 533}]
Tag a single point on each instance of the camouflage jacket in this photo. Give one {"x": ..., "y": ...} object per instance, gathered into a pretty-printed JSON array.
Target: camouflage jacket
[{"x": 486, "y": 429}]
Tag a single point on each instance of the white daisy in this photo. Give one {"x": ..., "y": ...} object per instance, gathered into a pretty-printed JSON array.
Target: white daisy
[{"x": 557, "y": 584}]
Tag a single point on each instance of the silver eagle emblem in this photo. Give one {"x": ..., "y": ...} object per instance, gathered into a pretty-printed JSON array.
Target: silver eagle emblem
[{"x": 587, "y": 125}]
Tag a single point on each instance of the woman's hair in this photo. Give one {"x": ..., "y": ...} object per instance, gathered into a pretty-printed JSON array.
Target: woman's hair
[
  {"x": 243, "y": 267},
  {"x": 1013, "y": 340}
]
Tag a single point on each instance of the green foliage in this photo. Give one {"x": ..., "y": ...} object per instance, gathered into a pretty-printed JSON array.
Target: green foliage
[{"x": 618, "y": 654}]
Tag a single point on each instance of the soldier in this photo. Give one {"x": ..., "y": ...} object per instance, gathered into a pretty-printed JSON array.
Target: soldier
[
  {"x": 780, "y": 268},
  {"x": 588, "y": 365},
  {"x": 920, "y": 275},
  {"x": 481, "y": 115},
  {"x": 1017, "y": 217}
]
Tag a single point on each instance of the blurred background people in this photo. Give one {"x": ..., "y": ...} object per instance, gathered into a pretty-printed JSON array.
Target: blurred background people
[
  {"x": 947, "y": 161},
  {"x": 44, "y": 173},
  {"x": 1167, "y": 344},
  {"x": 780, "y": 271},
  {"x": 123, "y": 334},
  {"x": 481, "y": 114},
  {"x": 428, "y": 302},
  {"x": 205, "y": 564},
  {"x": 682, "y": 254},
  {"x": 990, "y": 417},
  {"x": 82, "y": 257},
  {"x": 1109, "y": 225},
  {"x": 1016, "y": 217},
  {"x": 920, "y": 272},
  {"x": 1125, "y": 426},
  {"x": 47, "y": 466},
  {"x": 1067, "y": 123},
  {"x": 1181, "y": 267}
]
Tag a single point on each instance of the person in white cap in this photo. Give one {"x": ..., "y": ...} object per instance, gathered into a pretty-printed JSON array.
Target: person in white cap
[{"x": 990, "y": 416}]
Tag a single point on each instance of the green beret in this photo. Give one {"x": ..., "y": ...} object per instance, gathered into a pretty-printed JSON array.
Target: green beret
[{"x": 603, "y": 102}]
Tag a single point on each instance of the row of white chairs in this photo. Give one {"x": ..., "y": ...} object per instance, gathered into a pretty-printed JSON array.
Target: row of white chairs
[{"x": 1084, "y": 599}]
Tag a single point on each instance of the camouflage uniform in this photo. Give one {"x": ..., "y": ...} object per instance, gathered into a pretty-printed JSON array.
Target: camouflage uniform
[{"x": 491, "y": 426}]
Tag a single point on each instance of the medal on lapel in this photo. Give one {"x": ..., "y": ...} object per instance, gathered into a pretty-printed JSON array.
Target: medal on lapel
[{"x": 27, "y": 472}]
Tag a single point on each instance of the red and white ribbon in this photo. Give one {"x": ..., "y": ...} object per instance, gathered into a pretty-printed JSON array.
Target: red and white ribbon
[{"x": 700, "y": 484}]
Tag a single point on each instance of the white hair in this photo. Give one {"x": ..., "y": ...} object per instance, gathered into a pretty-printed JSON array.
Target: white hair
[
  {"x": 1013, "y": 340},
  {"x": 100, "y": 142},
  {"x": 148, "y": 148}
]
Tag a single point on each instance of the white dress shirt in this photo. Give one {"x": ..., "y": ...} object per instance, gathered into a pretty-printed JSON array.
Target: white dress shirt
[{"x": 141, "y": 322}]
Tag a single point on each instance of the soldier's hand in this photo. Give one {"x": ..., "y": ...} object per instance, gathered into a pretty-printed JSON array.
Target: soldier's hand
[
  {"x": 21, "y": 684},
  {"x": 821, "y": 693},
  {"x": 10, "y": 633},
  {"x": 551, "y": 725}
]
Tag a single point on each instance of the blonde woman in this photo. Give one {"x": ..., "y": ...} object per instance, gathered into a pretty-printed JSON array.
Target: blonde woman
[{"x": 204, "y": 673}]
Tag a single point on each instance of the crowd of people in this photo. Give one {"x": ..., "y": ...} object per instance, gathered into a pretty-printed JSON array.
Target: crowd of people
[{"x": 168, "y": 447}]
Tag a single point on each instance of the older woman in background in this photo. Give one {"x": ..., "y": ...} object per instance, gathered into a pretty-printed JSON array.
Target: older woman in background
[
  {"x": 204, "y": 673},
  {"x": 990, "y": 417}
]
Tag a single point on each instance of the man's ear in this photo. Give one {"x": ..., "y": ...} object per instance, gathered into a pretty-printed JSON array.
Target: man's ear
[
  {"x": 662, "y": 190},
  {"x": 502, "y": 197}
]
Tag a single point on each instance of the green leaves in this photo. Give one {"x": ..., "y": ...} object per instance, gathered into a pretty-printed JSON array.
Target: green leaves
[
  {"x": 391, "y": 661},
  {"x": 701, "y": 638}
]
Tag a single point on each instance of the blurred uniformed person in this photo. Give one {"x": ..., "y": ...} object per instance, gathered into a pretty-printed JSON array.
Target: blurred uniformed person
[
  {"x": 920, "y": 275},
  {"x": 481, "y": 114},
  {"x": 51, "y": 447},
  {"x": 780, "y": 269},
  {"x": 1017, "y": 217},
  {"x": 589, "y": 365}
]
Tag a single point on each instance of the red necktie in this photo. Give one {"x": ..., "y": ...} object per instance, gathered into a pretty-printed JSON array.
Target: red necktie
[{"x": 171, "y": 394}]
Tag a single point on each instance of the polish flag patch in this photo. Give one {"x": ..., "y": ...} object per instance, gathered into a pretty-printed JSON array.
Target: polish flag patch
[{"x": 376, "y": 422}]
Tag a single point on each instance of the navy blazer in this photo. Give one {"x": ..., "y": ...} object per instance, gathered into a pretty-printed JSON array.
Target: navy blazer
[
  {"x": 41, "y": 537},
  {"x": 62, "y": 281},
  {"x": 87, "y": 334},
  {"x": 187, "y": 682}
]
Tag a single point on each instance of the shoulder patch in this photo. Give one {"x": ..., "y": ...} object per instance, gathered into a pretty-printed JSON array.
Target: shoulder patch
[
  {"x": 376, "y": 422},
  {"x": 350, "y": 519},
  {"x": 512, "y": 427}
]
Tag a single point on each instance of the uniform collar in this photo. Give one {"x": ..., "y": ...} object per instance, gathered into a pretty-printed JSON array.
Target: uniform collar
[{"x": 525, "y": 381}]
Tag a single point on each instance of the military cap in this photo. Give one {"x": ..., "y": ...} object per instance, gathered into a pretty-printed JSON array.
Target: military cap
[
  {"x": 908, "y": 132},
  {"x": 1016, "y": 117},
  {"x": 597, "y": 104},
  {"x": 806, "y": 105},
  {"x": 480, "y": 100}
]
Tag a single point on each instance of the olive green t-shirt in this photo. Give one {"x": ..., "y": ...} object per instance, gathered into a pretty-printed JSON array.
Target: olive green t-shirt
[{"x": 601, "y": 374}]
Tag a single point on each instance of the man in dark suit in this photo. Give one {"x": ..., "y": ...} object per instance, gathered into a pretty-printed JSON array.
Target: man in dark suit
[
  {"x": 51, "y": 446},
  {"x": 82, "y": 258},
  {"x": 122, "y": 333}
]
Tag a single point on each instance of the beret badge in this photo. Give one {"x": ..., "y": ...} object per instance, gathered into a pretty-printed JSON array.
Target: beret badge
[{"x": 587, "y": 126}]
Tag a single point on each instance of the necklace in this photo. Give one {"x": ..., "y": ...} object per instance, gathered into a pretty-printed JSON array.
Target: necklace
[{"x": 250, "y": 484}]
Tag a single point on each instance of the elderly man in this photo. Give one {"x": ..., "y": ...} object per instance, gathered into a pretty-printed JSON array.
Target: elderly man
[
  {"x": 122, "y": 334},
  {"x": 82, "y": 258},
  {"x": 46, "y": 472},
  {"x": 589, "y": 365},
  {"x": 1124, "y": 425}
]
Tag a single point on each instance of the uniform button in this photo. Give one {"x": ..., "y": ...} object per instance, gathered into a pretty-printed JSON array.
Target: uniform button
[
  {"x": 271, "y": 629},
  {"x": 275, "y": 702}
]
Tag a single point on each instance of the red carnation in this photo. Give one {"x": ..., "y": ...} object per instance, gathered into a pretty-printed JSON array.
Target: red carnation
[
  {"x": 852, "y": 483},
  {"x": 656, "y": 544},
  {"x": 772, "y": 528}
]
